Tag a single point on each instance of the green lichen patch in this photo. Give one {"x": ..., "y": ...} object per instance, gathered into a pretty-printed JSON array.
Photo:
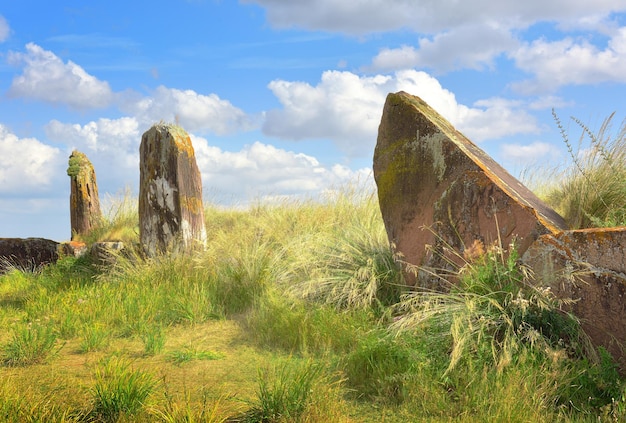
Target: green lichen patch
[{"x": 76, "y": 163}]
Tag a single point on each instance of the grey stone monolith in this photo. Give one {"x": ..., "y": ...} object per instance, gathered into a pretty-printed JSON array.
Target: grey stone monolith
[{"x": 171, "y": 211}]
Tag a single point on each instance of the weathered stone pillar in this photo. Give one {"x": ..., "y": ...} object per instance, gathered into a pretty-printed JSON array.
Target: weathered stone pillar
[
  {"x": 85, "y": 210},
  {"x": 439, "y": 193},
  {"x": 171, "y": 212}
]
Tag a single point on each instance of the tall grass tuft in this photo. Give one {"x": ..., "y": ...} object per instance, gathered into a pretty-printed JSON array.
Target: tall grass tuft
[
  {"x": 293, "y": 392},
  {"x": 120, "y": 221},
  {"x": 355, "y": 269},
  {"x": 592, "y": 192},
  {"x": 380, "y": 366},
  {"x": 493, "y": 313},
  {"x": 119, "y": 390},
  {"x": 31, "y": 344}
]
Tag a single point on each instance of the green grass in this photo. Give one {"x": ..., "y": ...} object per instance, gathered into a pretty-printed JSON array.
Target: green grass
[
  {"x": 591, "y": 191},
  {"x": 296, "y": 312},
  {"x": 119, "y": 390}
]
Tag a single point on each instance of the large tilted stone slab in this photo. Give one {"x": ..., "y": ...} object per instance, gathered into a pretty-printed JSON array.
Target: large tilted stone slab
[
  {"x": 587, "y": 266},
  {"x": 85, "y": 210},
  {"x": 171, "y": 213},
  {"x": 439, "y": 192}
]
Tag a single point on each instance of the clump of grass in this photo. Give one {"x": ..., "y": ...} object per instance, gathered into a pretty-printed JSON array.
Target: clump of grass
[
  {"x": 120, "y": 390},
  {"x": 380, "y": 365},
  {"x": 296, "y": 326},
  {"x": 356, "y": 269},
  {"x": 30, "y": 344},
  {"x": 120, "y": 222},
  {"x": 592, "y": 192},
  {"x": 208, "y": 411},
  {"x": 292, "y": 392},
  {"x": 189, "y": 353},
  {"x": 95, "y": 337},
  {"x": 493, "y": 311},
  {"x": 153, "y": 337}
]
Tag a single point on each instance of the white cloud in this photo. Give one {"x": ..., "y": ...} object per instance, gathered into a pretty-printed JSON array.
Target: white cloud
[
  {"x": 5, "y": 30},
  {"x": 529, "y": 153},
  {"x": 26, "y": 164},
  {"x": 261, "y": 170},
  {"x": 105, "y": 135},
  {"x": 193, "y": 111},
  {"x": 472, "y": 47},
  {"x": 347, "y": 108},
  {"x": 45, "y": 77},
  {"x": 112, "y": 145},
  {"x": 571, "y": 61},
  {"x": 367, "y": 16},
  {"x": 256, "y": 171}
]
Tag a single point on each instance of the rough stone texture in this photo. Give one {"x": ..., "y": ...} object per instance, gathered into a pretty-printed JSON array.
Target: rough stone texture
[
  {"x": 105, "y": 253},
  {"x": 27, "y": 253},
  {"x": 588, "y": 266},
  {"x": 85, "y": 210},
  {"x": 73, "y": 248},
  {"x": 429, "y": 174},
  {"x": 171, "y": 212}
]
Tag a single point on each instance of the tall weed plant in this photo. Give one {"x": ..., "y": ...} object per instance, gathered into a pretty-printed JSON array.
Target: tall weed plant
[
  {"x": 591, "y": 191},
  {"x": 493, "y": 312}
]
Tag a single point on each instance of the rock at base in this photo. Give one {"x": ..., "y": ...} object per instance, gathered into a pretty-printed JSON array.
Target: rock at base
[
  {"x": 27, "y": 253},
  {"x": 587, "y": 266}
]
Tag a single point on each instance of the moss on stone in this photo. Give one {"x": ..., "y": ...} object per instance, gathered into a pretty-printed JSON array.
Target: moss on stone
[{"x": 76, "y": 163}]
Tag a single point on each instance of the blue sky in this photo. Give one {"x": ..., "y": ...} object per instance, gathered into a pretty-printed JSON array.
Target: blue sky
[{"x": 283, "y": 98}]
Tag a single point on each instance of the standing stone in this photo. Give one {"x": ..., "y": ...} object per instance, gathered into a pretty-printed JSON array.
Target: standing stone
[
  {"x": 171, "y": 213},
  {"x": 85, "y": 210},
  {"x": 439, "y": 193}
]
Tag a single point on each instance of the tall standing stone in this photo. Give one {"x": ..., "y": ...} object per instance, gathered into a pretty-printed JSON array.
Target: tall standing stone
[
  {"x": 85, "y": 210},
  {"x": 438, "y": 192},
  {"x": 171, "y": 213}
]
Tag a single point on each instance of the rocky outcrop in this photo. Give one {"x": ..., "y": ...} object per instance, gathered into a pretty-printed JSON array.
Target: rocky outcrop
[
  {"x": 27, "y": 253},
  {"x": 171, "y": 211},
  {"x": 85, "y": 210},
  {"x": 439, "y": 192},
  {"x": 589, "y": 267},
  {"x": 440, "y": 196}
]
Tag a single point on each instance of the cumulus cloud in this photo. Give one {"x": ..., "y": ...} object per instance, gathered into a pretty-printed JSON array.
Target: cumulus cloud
[
  {"x": 529, "y": 153},
  {"x": 367, "y": 16},
  {"x": 570, "y": 61},
  {"x": 112, "y": 145},
  {"x": 261, "y": 170},
  {"x": 256, "y": 171},
  {"x": 47, "y": 78},
  {"x": 5, "y": 30},
  {"x": 26, "y": 164},
  {"x": 346, "y": 108},
  {"x": 104, "y": 135},
  {"x": 193, "y": 111},
  {"x": 473, "y": 47}
]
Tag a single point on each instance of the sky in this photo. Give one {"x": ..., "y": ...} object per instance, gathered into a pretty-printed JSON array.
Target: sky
[{"x": 283, "y": 98}]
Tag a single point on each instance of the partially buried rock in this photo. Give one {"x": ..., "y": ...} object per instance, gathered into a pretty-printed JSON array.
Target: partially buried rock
[
  {"x": 85, "y": 211},
  {"x": 171, "y": 213},
  {"x": 105, "y": 253},
  {"x": 27, "y": 253},
  {"x": 439, "y": 193}
]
